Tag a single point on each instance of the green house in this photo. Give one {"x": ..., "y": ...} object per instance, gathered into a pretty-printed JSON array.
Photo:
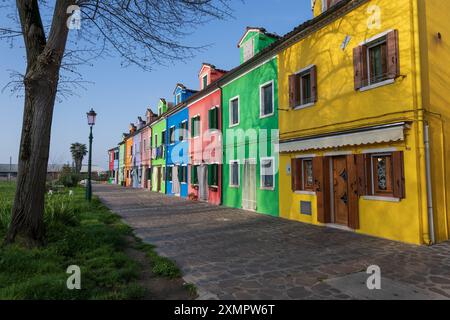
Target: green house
[
  {"x": 159, "y": 149},
  {"x": 250, "y": 127}
]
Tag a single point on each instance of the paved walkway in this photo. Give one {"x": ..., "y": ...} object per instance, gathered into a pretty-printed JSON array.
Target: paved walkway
[{"x": 234, "y": 254}]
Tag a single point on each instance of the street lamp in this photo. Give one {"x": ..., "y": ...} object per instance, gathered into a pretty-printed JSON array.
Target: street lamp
[{"x": 91, "y": 115}]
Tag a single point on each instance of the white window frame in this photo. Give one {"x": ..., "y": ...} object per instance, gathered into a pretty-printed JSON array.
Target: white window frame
[
  {"x": 261, "y": 186},
  {"x": 218, "y": 122},
  {"x": 178, "y": 98},
  {"x": 370, "y": 43},
  {"x": 187, "y": 173},
  {"x": 184, "y": 133},
  {"x": 324, "y": 5},
  {"x": 261, "y": 100},
  {"x": 231, "y": 173},
  {"x": 230, "y": 111},
  {"x": 248, "y": 43},
  {"x": 299, "y": 74},
  {"x": 170, "y": 136},
  {"x": 200, "y": 125},
  {"x": 203, "y": 81}
]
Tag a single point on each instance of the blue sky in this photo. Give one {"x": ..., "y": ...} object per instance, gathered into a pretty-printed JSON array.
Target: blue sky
[{"x": 119, "y": 94}]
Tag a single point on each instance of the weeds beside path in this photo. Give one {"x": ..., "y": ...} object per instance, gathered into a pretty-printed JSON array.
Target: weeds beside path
[{"x": 113, "y": 263}]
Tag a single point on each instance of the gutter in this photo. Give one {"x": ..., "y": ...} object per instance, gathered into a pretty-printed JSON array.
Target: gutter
[{"x": 430, "y": 208}]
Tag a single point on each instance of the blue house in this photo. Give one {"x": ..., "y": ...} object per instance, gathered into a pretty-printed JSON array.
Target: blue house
[{"x": 177, "y": 157}]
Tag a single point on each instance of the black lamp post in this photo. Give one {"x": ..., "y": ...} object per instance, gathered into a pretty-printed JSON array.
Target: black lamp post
[{"x": 91, "y": 122}]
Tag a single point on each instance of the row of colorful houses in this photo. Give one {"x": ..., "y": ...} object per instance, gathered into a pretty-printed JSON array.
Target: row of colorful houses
[{"x": 339, "y": 123}]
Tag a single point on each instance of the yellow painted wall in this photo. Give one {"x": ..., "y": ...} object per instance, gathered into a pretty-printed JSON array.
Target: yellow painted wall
[
  {"x": 400, "y": 221},
  {"x": 435, "y": 62},
  {"x": 340, "y": 107}
]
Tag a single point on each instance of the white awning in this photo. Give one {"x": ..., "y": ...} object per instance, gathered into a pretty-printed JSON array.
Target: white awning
[{"x": 380, "y": 134}]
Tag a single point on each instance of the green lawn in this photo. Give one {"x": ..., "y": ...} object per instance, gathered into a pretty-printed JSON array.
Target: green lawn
[{"x": 78, "y": 233}]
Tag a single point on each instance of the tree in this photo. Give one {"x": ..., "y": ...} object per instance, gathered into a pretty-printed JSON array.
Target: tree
[
  {"x": 78, "y": 151},
  {"x": 143, "y": 33}
]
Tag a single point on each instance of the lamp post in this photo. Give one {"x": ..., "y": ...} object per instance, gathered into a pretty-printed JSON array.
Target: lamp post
[{"x": 91, "y": 122}]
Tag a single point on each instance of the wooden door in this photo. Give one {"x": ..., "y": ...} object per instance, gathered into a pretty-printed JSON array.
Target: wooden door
[{"x": 340, "y": 191}]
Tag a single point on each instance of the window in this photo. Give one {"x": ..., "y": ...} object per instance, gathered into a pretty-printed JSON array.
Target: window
[
  {"x": 326, "y": 4},
  {"x": 131, "y": 150},
  {"x": 267, "y": 173},
  {"x": 382, "y": 173},
  {"x": 213, "y": 118},
  {"x": 163, "y": 137},
  {"x": 234, "y": 173},
  {"x": 178, "y": 98},
  {"x": 248, "y": 50},
  {"x": 213, "y": 175},
  {"x": 376, "y": 62},
  {"x": 204, "y": 81},
  {"x": 169, "y": 174},
  {"x": 145, "y": 145},
  {"x": 266, "y": 99},
  {"x": 195, "y": 125},
  {"x": 183, "y": 131},
  {"x": 302, "y": 174},
  {"x": 172, "y": 135},
  {"x": 234, "y": 111},
  {"x": 159, "y": 111},
  {"x": 194, "y": 175},
  {"x": 156, "y": 140},
  {"x": 182, "y": 174},
  {"x": 303, "y": 88}
]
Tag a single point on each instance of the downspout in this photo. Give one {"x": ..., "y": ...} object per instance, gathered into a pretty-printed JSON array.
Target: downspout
[
  {"x": 422, "y": 129},
  {"x": 429, "y": 185}
]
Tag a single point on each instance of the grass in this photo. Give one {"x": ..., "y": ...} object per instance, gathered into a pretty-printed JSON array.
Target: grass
[{"x": 78, "y": 233}]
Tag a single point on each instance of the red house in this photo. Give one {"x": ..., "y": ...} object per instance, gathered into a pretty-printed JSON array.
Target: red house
[{"x": 205, "y": 139}]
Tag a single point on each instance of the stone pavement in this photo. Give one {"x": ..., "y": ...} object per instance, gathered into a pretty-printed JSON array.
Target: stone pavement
[{"x": 233, "y": 254}]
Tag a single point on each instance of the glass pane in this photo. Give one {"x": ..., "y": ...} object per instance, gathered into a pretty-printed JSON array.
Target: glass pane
[
  {"x": 381, "y": 173},
  {"x": 306, "y": 88},
  {"x": 235, "y": 111},
  {"x": 235, "y": 174},
  {"x": 267, "y": 100},
  {"x": 309, "y": 173},
  {"x": 377, "y": 63}
]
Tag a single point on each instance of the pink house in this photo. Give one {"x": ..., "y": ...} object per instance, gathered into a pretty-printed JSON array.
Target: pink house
[
  {"x": 146, "y": 150},
  {"x": 205, "y": 138}
]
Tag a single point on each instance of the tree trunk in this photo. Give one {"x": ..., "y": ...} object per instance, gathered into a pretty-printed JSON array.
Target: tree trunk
[
  {"x": 28, "y": 210},
  {"x": 44, "y": 58}
]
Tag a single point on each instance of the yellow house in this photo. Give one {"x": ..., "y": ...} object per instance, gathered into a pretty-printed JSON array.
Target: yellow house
[{"x": 364, "y": 95}]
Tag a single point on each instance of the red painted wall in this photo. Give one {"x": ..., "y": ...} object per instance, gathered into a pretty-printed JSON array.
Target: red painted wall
[{"x": 208, "y": 140}]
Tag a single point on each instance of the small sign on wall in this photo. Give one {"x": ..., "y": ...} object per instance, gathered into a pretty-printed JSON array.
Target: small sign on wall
[{"x": 305, "y": 208}]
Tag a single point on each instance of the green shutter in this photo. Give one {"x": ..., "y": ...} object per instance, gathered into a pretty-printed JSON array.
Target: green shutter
[
  {"x": 210, "y": 120},
  {"x": 216, "y": 118},
  {"x": 209, "y": 175}
]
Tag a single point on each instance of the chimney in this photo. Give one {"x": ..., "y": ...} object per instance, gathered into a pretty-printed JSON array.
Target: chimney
[{"x": 151, "y": 116}]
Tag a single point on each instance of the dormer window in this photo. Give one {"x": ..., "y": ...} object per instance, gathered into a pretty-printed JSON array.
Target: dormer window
[
  {"x": 204, "y": 81},
  {"x": 327, "y": 4},
  {"x": 178, "y": 98},
  {"x": 248, "y": 50},
  {"x": 159, "y": 111}
]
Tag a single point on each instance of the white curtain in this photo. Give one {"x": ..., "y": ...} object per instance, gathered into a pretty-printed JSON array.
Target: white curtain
[
  {"x": 202, "y": 174},
  {"x": 175, "y": 180}
]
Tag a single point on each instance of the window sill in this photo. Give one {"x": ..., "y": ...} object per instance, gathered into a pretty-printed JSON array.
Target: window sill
[
  {"x": 304, "y": 106},
  {"x": 377, "y": 85},
  {"x": 267, "y": 188},
  {"x": 306, "y": 193},
  {"x": 233, "y": 125},
  {"x": 379, "y": 198},
  {"x": 263, "y": 116},
  {"x": 235, "y": 187}
]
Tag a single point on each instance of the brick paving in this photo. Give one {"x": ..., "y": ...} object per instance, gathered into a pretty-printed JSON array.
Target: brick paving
[{"x": 233, "y": 254}]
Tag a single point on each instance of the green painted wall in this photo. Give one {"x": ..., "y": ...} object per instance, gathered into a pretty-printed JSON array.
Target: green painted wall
[
  {"x": 121, "y": 162},
  {"x": 157, "y": 129},
  {"x": 247, "y": 88}
]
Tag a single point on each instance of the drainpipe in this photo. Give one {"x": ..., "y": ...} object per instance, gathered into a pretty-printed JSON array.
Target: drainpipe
[{"x": 429, "y": 185}]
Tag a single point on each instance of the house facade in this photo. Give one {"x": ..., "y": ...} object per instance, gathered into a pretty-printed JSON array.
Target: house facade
[
  {"x": 129, "y": 144},
  {"x": 360, "y": 126},
  {"x": 122, "y": 152},
  {"x": 249, "y": 125},
  {"x": 159, "y": 148},
  {"x": 205, "y": 139},
  {"x": 113, "y": 165},
  {"x": 146, "y": 150}
]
